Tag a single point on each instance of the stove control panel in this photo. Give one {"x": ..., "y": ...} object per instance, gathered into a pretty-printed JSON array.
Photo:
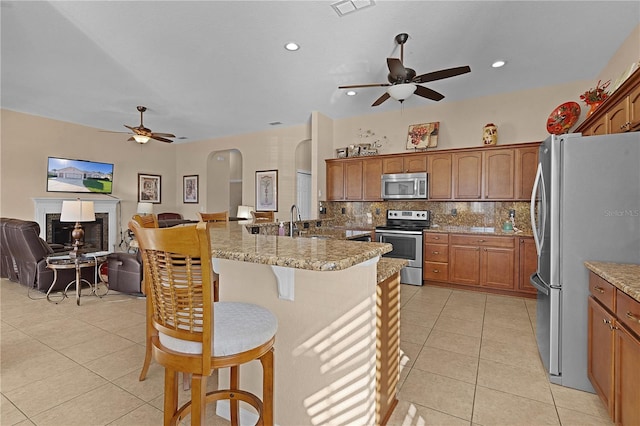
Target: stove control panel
[{"x": 409, "y": 214}]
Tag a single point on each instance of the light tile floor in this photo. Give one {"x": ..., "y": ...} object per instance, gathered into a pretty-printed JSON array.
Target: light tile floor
[{"x": 468, "y": 358}]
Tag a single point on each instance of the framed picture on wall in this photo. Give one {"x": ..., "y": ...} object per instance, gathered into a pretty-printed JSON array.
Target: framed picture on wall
[
  {"x": 423, "y": 136},
  {"x": 190, "y": 189},
  {"x": 267, "y": 191},
  {"x": 149, "y": 188}
]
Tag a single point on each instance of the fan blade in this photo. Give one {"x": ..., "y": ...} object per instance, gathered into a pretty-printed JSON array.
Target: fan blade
[
  {"x": 428, "y": 93},
  {"x": 131, "y": 139},
  {"x": 381, "y": 99},
  {"x": 158, "y": 138},
  {"x": 355, "y": 86},
  {"x": 439, "y": 75},
  {"x": 397, "y": 70},
  {"x": 164, "y": 135}
]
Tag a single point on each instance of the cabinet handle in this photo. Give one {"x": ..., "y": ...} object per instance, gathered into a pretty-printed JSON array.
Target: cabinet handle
[
  {"x": 599, "y": 289},
  {"x": 606, "y": 321},
  {"x": 481, "y": 241},
  {"x": 632, "y": 317},
  {"x": 436, "y": 252},
  {"x": 435, "y": 271},
  {"x": 436, "y": 238}
]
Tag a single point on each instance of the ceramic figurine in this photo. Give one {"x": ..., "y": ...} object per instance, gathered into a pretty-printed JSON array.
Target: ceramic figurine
[{"x": 490, "y": 134}]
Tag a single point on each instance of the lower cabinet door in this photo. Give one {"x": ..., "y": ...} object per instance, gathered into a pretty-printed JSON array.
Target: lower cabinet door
[
  {"x": 600, "y": 352},
  {"x": 627, "y": 378},
  {"x": 464, "y": 265},
  {"x": 435, "y": 271},
  {"x": 498, "y": 268}
]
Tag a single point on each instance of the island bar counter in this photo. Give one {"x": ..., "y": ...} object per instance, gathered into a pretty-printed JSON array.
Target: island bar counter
[{"x": 325, "y": 295}]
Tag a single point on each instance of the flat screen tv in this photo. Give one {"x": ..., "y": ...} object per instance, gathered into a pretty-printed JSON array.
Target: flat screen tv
[{"x": 65, "y": 175}]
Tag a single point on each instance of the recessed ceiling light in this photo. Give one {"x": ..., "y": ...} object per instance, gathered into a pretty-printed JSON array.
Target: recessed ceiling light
[
  {"x": 498, "y": 64},
  {"x": 291, "y": 46},
  {"x": 351, "y": 93}
]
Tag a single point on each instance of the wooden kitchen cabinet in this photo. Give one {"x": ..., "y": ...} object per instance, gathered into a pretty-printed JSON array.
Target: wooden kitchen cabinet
[
  {"x": 467, "y": 175},
  {"x": 525, "y": 171},
  {"x": 405, "y": 164},
  {"x": 527, "y": 264},
  {"x": 435, "y": 255},
  {"x": 600, "y": 343},
  {"x": 335, "y": 180},
  {"x": 487, "y": 261},
  {"x": 371, "y": 179},
  {"x": 613, "y": 350},
  {"x": 353, "y": 180},
  {"x": 499, "y": 174},
  {"x": 620, "y": 112},
  {"x": 439, "y": 169}
]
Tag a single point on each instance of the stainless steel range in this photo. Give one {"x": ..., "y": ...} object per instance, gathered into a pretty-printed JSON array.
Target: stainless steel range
[{"x": 404, "y": 231}]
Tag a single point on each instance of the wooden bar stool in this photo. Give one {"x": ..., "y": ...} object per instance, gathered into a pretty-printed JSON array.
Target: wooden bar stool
[
  {"x": 214, "y": 217},
  {"x": 263, "y": 216},
  {"x": 196, "y": 335}
]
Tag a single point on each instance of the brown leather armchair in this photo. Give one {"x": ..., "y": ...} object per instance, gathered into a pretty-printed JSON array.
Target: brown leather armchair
[
  {"x": 24, "y": 256},
  {"x": 125, "y": 272}
]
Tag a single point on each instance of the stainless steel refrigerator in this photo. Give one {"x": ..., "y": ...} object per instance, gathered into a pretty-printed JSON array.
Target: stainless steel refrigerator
[{"x": 585, "y": 206}]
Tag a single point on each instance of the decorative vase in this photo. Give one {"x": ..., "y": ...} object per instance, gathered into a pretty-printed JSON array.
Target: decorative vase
[
  {"x": 490, "y": 134},
  {"x": 593, "y": 107}
]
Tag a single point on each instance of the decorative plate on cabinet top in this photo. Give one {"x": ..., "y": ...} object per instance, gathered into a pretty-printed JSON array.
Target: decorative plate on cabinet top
[{"x": 563, "y": 118}]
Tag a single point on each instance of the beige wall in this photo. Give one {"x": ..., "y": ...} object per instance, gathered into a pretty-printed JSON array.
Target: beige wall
[{"x": 28, "y": 140}]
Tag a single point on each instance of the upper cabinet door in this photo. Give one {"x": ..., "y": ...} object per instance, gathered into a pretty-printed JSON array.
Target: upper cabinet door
[
  {"x": 353, "y": 180},
  {"x": 526, "y": 166},
  {"x": 439, "y": 169},
  {"x": 393, "y": 165},
  {"x": 415, "y": 163},
  {"x": 499, "y": 168},
  {"x": 372, "y": 179},
  {"x": 335, "y": 180},
  {"x": 467, "y": 175}
]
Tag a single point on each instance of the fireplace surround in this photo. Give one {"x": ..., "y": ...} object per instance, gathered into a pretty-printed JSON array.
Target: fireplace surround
[{"x": 107, "y": 209}]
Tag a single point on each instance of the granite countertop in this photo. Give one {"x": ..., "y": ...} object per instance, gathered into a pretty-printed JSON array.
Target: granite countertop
[
  {"x": 233, "y": 241},
  {"x": 478, "y": 230},
  {"x": 388, "y": 266},
  {"x": 624, "y": 276}
]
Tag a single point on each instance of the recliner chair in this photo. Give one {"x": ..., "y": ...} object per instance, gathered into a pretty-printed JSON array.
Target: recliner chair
[
  {"x": 24, "y": 257},
  {"x": 125, "y": 272}
]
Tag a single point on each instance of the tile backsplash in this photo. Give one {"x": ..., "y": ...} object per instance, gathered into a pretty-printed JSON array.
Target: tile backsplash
[{"x": 467, "y": 213}]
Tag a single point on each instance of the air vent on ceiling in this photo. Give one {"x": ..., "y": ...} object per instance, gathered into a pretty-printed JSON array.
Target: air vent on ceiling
[{"x": 344, "y": 7}]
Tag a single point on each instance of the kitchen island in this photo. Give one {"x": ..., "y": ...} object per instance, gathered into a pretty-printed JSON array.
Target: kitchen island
[{"x": 336, "y": 322}]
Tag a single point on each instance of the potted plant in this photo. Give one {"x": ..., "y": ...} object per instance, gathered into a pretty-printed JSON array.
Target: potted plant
[{"x": 594, "y": 97}]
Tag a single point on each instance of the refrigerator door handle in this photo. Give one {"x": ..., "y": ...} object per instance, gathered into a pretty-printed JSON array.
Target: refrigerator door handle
[
  {"x": 538, "y": 284},
  {"x": 537, "y": 233}
]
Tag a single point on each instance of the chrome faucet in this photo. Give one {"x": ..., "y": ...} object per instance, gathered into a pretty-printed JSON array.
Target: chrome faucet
[{"x": 292, "y": 226}]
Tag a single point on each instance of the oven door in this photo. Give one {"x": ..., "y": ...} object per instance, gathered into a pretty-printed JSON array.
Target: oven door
[{"x": 406, "y": 245}]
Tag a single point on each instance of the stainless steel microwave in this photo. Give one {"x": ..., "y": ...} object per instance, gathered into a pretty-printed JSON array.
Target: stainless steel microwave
[{"x": 404, "y": 186}]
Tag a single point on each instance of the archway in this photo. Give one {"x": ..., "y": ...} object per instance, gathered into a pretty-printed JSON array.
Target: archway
[{"x": 224, "y": 181}]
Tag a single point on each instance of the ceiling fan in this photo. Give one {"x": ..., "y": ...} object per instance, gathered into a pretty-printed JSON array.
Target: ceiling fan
[
  {"x": 142, "y": 135},
  {"x": 403, "y": 82}
]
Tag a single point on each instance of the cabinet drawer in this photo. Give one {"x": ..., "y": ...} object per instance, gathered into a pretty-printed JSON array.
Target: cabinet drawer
[
  {"x": 431, "y": 237},
  {"x": 435, "y": 271},
  {"x": 604, "y": 292},
  {"x": 482, "y": 240},
  {"x": 628, "y": 311},
  {"x": 436, "y": 252}
]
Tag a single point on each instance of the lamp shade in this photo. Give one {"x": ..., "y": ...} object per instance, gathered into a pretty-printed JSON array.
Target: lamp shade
[
  {"x": 77, "y": 211},
  {"x": 145, "y": 208},
  {"x": 400, "y": 92},
  {"x": 244, "y": 212},
  {"x": 141, "y": 138}
]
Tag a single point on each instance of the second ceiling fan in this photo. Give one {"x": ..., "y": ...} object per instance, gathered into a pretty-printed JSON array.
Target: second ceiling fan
[{"x": 403, "y": 81}]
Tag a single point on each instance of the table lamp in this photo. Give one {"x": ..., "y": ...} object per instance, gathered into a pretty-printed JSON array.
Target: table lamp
[
  {"x": 145, "y": 208},
  {"x": 77, "y": 211}
]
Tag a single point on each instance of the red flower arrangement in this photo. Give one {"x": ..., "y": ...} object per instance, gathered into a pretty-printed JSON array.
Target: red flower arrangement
[{"x": 598, "y": 94}]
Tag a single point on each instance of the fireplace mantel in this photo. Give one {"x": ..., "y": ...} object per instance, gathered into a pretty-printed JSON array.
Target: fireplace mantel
[{"x": 43, "y": 206}]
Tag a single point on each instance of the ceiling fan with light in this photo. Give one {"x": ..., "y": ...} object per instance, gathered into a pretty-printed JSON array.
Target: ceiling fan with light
[
  {"x": 403, "y": 82},
  {"x": 142, "y": 135}
]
